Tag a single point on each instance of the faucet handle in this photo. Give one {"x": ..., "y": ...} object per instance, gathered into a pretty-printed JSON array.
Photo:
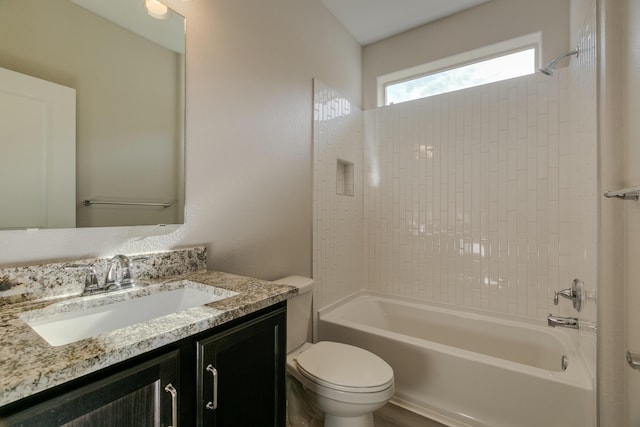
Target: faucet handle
[
  {"x": 120, "y": 272},
  {"x": 574, "y": 293},
  {"x": 90, "y": 280}
]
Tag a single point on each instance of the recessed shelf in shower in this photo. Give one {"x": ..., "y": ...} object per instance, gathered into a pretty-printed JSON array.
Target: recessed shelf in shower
[{"x": 344, "y": 178}]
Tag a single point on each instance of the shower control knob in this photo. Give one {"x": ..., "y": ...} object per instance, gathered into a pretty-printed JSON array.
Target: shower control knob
[{"x": 574, "y": 293}]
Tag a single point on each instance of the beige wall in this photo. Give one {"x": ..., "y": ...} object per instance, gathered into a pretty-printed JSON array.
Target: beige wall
[
  {"x": 611, "y": 292},
  {"x": 128, "y": 111},
  {"x": 489, "y": 23},
  {"x": 249, "y": 114},
  {"x": 631, "y": 68}
]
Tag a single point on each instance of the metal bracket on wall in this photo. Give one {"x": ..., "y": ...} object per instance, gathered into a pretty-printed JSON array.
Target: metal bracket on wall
[
  {"x": 634, "y": 360},
  {"x": 624, "y": 194}
]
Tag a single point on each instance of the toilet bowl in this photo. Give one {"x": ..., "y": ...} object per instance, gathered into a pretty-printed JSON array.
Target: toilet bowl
[{"x": 345, "y": 383}]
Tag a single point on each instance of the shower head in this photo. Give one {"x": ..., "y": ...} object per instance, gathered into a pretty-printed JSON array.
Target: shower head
[
  {"x": 546, "y": 70},
  {"x": 550, "y": 68}
]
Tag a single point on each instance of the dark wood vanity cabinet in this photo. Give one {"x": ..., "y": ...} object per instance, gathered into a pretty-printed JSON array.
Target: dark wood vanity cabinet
[
  {"x": 175, "y": 384},
  {"x": 136, "y": 396},
  {"x": 241, "y": 375}
]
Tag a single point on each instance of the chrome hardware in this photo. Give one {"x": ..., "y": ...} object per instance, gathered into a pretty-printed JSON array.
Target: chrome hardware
[
  {"x": 564, "y": 322},
  {"x": 575, "y": 294},
  {"x": 624, "y": 194},
  {"x": 174, "y": 404},
  {"x": 633, "y": 359},
  {"x": 91, "y": 284},
  {"x": 564, "y": 363},
  {"x": 119, "y": 274},
  {"x": 98, "y": 202},
  {"x": 213, "y": 405},
  {"x": 550, "y": 68}
]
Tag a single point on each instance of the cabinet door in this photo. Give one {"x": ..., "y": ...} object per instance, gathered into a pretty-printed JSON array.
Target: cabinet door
[
  {"x": 133, "y": 397},
  {"x": 248, "y": 362}
]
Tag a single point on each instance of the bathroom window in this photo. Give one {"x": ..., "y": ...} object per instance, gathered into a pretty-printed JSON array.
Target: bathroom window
[{"x": 502, "y": 61}]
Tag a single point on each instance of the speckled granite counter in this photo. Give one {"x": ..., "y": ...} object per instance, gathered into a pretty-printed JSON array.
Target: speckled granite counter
[{"x": 28, "y": 364}]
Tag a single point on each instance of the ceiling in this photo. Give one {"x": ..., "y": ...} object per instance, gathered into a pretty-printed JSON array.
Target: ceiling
[
  {"x": 370, "y": 21},
  {"x": 132, "y": 16}
]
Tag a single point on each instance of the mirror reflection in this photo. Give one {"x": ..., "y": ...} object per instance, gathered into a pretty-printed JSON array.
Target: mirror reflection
[{"x": 91, "y": 109}]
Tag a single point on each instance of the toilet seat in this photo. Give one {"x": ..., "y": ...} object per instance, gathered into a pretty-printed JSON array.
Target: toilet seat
[{"x": 344, "y": 368}]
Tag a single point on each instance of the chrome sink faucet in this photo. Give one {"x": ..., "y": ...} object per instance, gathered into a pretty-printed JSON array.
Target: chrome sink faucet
[
  {"x": 119, "y": 275},
  {"x": 564, "y": 322}
]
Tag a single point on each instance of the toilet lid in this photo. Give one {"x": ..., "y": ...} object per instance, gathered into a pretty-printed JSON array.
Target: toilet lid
[{"x": 345, "y": 367}]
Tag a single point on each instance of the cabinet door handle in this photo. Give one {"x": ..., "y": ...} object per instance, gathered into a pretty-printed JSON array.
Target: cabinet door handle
[
  {"x": 174, "y": 404},
  {"x": 213, "y": 405}
]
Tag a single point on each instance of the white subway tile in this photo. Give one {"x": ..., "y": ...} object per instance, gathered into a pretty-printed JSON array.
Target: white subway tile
[{"x": 476, "y": 200}]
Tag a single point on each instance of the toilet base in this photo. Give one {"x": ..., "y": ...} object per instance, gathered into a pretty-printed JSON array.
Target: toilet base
[{"x": 365, "y": 420}]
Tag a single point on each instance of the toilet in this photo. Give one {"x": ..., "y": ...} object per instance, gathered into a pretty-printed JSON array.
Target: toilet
[{"x": 341, "y": 382}]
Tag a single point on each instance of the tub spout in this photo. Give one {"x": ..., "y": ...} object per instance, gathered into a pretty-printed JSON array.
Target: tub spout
[{"x": 565, "y": 322}]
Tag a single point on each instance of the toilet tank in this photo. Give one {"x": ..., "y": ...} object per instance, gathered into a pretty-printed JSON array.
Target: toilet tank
[{"x": 299, "y": 314}]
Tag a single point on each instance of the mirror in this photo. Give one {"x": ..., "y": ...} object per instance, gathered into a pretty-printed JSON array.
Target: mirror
[{"x": 127, "y": 70}]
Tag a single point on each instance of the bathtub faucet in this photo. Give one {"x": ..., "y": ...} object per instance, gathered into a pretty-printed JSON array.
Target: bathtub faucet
[{"x": 565, "y": 322}]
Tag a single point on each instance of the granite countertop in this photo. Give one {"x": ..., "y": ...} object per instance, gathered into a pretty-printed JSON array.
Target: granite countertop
[{"x": 28, "y": 364}]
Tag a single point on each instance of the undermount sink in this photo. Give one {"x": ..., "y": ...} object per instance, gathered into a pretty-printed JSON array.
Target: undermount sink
[{"x": 91, "y": 316}]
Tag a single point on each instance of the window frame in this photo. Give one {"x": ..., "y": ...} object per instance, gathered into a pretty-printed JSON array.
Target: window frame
[{"x": 518, "y": 44}]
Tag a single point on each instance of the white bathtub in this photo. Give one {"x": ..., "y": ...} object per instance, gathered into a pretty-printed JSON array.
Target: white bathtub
[{"x": 468, "y": 369}]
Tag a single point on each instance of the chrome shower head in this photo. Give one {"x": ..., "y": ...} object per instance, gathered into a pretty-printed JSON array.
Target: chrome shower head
[
  {"x": 550, "y": 68},
  {"x": 546, "y": 70}
]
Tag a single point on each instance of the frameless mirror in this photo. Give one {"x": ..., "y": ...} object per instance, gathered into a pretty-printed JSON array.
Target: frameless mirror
[{"x": 91, "y": 114}]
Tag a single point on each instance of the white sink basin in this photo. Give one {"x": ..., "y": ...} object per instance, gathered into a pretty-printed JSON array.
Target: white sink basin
[{"x": 80, "y": 323}]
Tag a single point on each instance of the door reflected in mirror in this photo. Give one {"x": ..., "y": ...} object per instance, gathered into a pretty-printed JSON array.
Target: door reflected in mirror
[{"x": 128, "y": 73}]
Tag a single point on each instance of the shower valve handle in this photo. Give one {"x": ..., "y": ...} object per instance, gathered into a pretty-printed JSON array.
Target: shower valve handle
[{"x": 574, "y": 293}]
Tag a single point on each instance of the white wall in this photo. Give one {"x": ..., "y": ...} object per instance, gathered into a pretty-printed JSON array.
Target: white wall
[
  {"x": 579, "y": 228},
  {"x": 338, "y": 239},
  {"x": 489, "y": 23},
  {"x": 484, "y": 198},
  {"x": 463, "y": 196},
  {"x": 250, "y": 66}
]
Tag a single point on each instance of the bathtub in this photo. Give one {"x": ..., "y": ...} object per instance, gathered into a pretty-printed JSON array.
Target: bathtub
[{"x": 468, "y": 369}]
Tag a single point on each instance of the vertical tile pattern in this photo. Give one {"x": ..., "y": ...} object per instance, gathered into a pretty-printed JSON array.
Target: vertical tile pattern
[
  {"x": 462, "y": 195},
  {"x": 583, "y": 183},
  {"x": 337, "y": 218},
  {"x": 484, "y": 198}
]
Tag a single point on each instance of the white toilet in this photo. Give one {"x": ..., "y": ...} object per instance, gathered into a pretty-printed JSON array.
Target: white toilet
[{"x": 344, "y": 382}]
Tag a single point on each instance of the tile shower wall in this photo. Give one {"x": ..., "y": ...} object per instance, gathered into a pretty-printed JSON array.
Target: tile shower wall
[
  {"x": 484, "y": 198},
  {"x": 579, "y": 214},
  {"x": 337, "y": 197},
  {"x": 462, "y": 196}
]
